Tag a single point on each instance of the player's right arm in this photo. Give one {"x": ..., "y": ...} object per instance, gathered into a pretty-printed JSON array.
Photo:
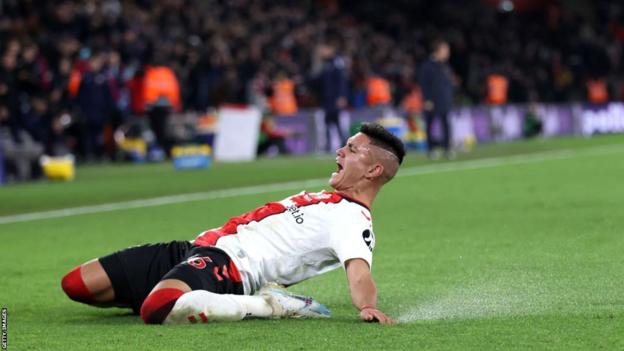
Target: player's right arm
[{"x": 364, "y": 292}]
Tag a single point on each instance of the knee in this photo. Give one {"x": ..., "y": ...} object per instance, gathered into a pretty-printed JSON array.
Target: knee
[
  {"x": 158, "y": 304},
  {"x": 74, "y": 286}
]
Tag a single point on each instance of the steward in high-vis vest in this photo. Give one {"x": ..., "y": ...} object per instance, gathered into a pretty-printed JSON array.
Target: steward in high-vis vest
[
  {"x": 497, "y": 87},
  {"x": 413, "y": 101},
  {"x": 378, "y": 91},
  {"x": 161, "y": 95},
  {"x": 597, "y": 92},
  {"x": 283, "y": 101},
  {"x": 160, "y": 82}
]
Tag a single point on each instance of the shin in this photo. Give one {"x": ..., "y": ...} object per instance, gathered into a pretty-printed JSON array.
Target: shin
[{"x": 203, "y": 306}]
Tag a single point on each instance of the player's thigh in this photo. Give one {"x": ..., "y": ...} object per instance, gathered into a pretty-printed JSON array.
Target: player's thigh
[
  {"x": 205, "y": 268},
  {"x": 136, "y": 270}
]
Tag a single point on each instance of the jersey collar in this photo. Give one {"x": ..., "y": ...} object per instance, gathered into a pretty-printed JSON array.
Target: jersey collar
[{"x": 350, "y": 199}]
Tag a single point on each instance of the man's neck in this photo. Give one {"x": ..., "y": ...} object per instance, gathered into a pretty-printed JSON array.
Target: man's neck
[{"x": 364, "y": 196}]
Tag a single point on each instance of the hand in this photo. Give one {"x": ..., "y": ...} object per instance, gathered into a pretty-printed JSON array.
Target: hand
[{"x": 372, "y": 315}]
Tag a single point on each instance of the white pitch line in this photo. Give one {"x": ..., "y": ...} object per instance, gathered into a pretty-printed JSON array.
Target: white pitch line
[
  {"x": 268, "y": 188},
  {"x": 163, "y": 200}
]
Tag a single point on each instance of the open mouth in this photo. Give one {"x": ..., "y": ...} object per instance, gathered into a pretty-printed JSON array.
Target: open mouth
[{"x": 338, "y": 168}]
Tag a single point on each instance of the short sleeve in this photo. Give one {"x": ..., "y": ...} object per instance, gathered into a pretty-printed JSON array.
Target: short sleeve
[{"x": 352, "y": 236}]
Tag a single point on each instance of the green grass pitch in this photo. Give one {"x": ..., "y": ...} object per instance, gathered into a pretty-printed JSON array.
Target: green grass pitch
[{"x": 492, "y": 251}]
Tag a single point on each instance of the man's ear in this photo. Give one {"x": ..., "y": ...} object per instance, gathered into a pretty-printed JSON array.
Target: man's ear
[{"x": 375, "y": 171}]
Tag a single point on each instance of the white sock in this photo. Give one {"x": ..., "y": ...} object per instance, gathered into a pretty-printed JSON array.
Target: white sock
[{"x": 199, "y": 306}]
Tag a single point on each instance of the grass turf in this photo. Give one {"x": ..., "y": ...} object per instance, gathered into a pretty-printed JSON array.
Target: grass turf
[{"x": 517, "y": 256}]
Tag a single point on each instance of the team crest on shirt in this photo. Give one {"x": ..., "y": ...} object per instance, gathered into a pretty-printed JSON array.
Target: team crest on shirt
[{"x": 369, "y": 239}]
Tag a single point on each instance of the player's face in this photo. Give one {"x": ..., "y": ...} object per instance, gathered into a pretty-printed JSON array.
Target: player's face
[{"x": 352, "y": 162}]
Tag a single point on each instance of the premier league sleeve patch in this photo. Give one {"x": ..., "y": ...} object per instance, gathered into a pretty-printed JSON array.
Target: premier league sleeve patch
[{"x": 369, "y": 239}]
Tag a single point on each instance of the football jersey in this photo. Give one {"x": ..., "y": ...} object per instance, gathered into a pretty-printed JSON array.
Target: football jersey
[{"x": 295, "y": 239}]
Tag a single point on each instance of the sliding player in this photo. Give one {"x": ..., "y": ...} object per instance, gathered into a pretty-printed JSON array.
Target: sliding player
[{"x": 226, "y": 273}]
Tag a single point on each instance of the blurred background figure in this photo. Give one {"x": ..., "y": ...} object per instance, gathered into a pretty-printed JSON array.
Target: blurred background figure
[
  {"x": 331, "y": 73},
  {"x": 497, "y": 88},
  {"x": 378, "y": 91},
  {"x": 436, "y": 81},
  {"x": 532, "y": 125},
  {"x": 22, "y": 111},
  {"x": 161, "y": 94},
  {"x": 22, "y": 136},
  {"x": 272, "y": 136},
  {"x": 281, "y": 97},
  {"x": 95, "y": 104},
  {"x": 597, "y": 91}
]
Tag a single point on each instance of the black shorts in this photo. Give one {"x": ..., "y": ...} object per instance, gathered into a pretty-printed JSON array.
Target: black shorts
[{"x": 136, "y": 270}]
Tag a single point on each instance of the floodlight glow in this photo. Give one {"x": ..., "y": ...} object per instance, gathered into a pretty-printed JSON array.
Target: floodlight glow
[{"x": 506, "y": 5}]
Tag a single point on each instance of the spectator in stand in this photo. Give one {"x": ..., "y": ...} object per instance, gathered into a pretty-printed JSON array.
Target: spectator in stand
[
  {"x": 9, "y": 92},
  {"x": 36, "y": 119},
  {"x": 436, "y": 81},
  {"x": 20, "y": 151},
  {"x": 32, "y": 71}
]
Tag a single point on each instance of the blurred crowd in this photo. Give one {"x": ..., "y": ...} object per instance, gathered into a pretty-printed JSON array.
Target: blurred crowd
[
  {"x": 547, "y": 51},
  {"x": 71, "y": 71}
]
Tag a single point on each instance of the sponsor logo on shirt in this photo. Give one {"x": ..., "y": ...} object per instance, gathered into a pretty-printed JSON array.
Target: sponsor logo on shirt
[{"x": 296, "y": 213}]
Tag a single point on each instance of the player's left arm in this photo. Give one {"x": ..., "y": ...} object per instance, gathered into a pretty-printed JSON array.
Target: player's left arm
[{"x": 364, "y": 291}]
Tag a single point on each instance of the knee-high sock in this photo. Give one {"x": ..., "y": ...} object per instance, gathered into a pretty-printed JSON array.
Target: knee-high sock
[
  {"x": 203, "y": 306},
  {"x": 158, "y": 304},
  {"x": 75, "y": 287}
]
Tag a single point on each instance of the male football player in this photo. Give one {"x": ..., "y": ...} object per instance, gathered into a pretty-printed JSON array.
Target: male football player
[{"x": 225, "y": 273}]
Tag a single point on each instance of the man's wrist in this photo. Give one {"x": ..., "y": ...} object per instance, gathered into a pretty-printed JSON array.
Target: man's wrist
[{"x": 362, "y": 308}]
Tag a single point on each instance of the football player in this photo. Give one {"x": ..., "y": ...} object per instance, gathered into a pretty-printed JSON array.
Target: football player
[{"x": 229, "y": 273}]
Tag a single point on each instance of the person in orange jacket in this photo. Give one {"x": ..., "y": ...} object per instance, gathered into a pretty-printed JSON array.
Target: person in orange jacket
[{"x": 161, "y": 95}]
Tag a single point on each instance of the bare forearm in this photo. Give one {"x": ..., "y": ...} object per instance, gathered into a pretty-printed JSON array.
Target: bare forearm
[{"x": 363, "y": 293}]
